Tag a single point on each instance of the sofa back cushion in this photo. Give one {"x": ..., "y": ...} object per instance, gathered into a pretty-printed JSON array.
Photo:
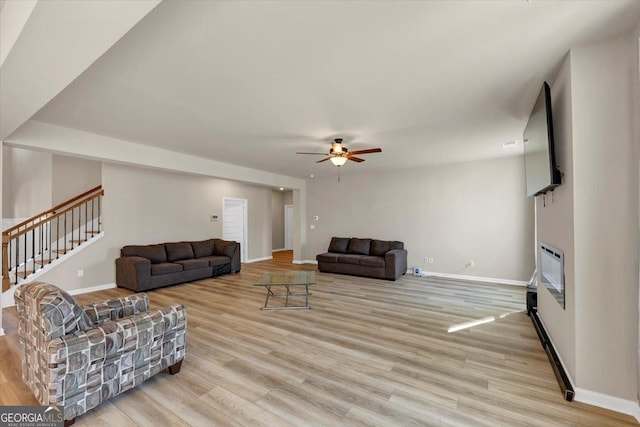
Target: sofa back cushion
[
  {"x": 178, "y": 251},
  {"x": 339, "y": 245},
  {"x": 359, "y": 246},
  {"x": 379, "y": 247},
  {"x": 203, "y": 248},
  {"x": 154, "y": 253}
]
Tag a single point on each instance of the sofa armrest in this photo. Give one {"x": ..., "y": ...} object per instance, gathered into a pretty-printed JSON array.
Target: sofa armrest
[
  {"x": 230, "y": 249},
  {"x": 86, "y": 368},
  {"x": 395, "y": 263},
  {"x": 117, "y": 308},
  {"x": 133, "y": 272}
]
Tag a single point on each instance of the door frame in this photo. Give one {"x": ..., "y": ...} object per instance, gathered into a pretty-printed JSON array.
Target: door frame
[{"x": 245, "y": 225}]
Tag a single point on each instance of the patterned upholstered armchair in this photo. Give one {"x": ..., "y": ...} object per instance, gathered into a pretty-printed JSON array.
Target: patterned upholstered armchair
[{"x": 77, "y": 357}]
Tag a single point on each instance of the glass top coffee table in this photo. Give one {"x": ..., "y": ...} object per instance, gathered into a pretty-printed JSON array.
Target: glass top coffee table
[{"x": 290, "y": 280}]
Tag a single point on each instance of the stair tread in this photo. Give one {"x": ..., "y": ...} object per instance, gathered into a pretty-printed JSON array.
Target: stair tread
[
  {"x": 77, "y": 240},
  {"x": 61, "y": 251},
  {"x": 43, "y": 261}
]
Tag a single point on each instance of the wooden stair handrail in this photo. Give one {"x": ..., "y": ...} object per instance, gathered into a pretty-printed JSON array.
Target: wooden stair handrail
[
  {"x": 52, "y": 210},
  {"x": 54, "y": 216},
  {"x": 37, "y": 221}
]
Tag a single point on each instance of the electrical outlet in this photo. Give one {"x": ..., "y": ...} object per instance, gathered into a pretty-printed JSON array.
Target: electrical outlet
[
  {"x": 426, "y": 260},
  {"x": 80, "y": 273},
  {"x": 430, "y": 260},
  {"x": 472, "y": 263}
]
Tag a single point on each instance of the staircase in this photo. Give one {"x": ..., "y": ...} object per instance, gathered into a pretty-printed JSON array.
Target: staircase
[{"x": 50, "y": 236}]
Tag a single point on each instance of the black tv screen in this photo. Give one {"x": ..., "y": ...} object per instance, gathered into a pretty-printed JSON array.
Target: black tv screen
[{"x": 542, "y": 173}]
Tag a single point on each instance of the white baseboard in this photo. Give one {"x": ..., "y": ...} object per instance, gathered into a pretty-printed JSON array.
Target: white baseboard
[
  {"x": 1, "y": 332},
  {"x": 472, "y": 278},
  {"x": 266, "y": 258},
  {"x": 9, "y": 301},
  {"x": 606, "y": 401},
  {"x": 92, "y": 289},
  {"x": 304, "y": 261}
]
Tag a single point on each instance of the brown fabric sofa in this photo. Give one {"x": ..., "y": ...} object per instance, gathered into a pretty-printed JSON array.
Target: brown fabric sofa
[
  {"x": 141, "y": 268},
  {"x": 364, "y": 257}
]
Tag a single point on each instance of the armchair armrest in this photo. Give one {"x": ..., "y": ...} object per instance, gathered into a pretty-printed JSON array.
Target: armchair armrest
[
  {"x": 117, "y": 308},
  {"x": 395, "y": 262},
  {"x": 86, "y": 368},
  {"x": 133, "y": 272}
]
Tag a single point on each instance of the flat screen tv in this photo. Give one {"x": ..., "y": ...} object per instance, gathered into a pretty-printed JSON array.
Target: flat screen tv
[{"x": 542, "y": 174}]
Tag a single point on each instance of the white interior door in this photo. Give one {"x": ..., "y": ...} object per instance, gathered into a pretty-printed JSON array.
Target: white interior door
[
  {"x": 234, "y": 223},
  {"x": 288, "y": 227}
]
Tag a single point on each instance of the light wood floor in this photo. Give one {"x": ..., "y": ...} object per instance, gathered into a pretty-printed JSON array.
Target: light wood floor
[{"x": 369, "y": 352}]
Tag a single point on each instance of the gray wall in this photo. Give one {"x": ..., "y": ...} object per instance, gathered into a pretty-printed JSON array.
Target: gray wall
[
  {"x": 597, "y": 335},
  {"x": 143, "y": 206},
  {"x": 26, "y": 182},
  {"x": 73, "y": 176},
  {"x": 554, "y": 216},
  {"x": 277, "y": 223},
  {"x": 606, "y": 217},
  {"x": 278, "y": 201},
  {"x": 453, "y": 213}
]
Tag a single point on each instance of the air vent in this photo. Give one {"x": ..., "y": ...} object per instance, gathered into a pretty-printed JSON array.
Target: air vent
[{"x": 509, "y": 144}]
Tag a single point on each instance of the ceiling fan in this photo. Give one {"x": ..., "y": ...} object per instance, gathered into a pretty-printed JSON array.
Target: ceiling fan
[{"x": 339, "y": 154}]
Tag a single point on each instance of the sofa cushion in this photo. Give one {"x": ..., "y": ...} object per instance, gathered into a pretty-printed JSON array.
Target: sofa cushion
[
  {"x": 372, "y": 261},
  {"x": 165, "y": 268},
  {"x": 396, "y": 245},
  {"x": 328, "y": 257},
  {"x": 154, "y": 253},
  {"x": 349, "y": 259},
  {"x": 178, "y": 251},
  {"x": 193, "y": 264},
  {"x": 379, "y": 247},
  {"x": 203, "y": 248},
  {"x": 339, "y": 245},
  {"x": 359, "y": 246},
  {"x": 216, "y": 260}
]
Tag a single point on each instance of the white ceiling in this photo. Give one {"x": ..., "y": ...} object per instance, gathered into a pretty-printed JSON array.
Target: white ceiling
[{"x": 250, "y": 83}]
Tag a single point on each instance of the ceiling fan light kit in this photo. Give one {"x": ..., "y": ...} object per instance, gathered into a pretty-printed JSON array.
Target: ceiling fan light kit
[
  {"x": 338, "y": 160},
  {"x": 339, "y": 154}
]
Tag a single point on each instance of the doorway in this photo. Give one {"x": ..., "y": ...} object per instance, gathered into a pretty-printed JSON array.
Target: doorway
[{"x": 234, "y": 223}]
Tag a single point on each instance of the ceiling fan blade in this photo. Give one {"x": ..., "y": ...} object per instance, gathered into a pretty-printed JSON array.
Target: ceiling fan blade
[
  {"x": 317, "y": 154},
  {"x": 324, "y": 160},
  {"x": 355, "y": 159},
  {"x": 370, "y": 150}
]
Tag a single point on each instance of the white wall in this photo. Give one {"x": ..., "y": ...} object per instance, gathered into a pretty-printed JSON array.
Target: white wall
[
  {"x": 453, "y": 213},
  {"x": 555, "y": 224},
  {"x": 144, "y": 206},
  {"x": 26, "y": 181}
]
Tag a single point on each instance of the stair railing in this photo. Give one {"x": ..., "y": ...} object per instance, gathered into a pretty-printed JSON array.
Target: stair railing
[{"x": 25, "y": 245}]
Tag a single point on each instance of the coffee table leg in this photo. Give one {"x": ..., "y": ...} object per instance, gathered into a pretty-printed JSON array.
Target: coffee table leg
[{"x": 266, "y": 301}]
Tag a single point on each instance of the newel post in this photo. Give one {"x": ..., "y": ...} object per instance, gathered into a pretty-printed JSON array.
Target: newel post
[{"x": 6, "y": 283}]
